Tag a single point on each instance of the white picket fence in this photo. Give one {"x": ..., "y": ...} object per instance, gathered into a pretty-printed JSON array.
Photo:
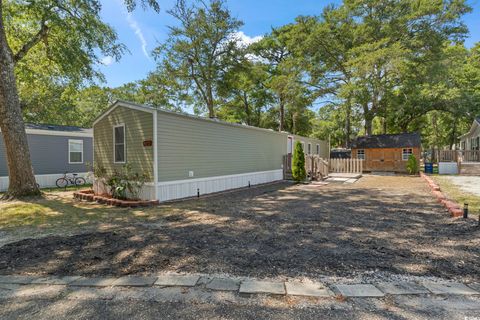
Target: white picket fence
[{"x": 346, "y": 165}]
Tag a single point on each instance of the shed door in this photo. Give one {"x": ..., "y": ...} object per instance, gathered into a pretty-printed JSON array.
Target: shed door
[
  {"x": 389, "y": 159},
  {"x": 382, "y": 159},
  {"x": 376, "y": 159}
]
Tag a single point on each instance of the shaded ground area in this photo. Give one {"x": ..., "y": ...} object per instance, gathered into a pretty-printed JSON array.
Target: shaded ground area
[
  {"x": 388, "y": 224},
  {"x": 278, "y": 308}
]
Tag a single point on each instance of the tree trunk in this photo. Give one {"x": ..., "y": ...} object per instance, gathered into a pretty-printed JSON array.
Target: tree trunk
[
  {"x": 453, "y": 134},
  {"x": 367, "y": 115},
  {"x": 294, "y": 122},
  {"x": 247, "y": 109},
  {"x": 210, "y": 103},
  {"x": 348, "y": 124},
  {"x": 384, "y": 118},
  {"x": 21, "y": 179},
  {"x": 282, "y": 114}
]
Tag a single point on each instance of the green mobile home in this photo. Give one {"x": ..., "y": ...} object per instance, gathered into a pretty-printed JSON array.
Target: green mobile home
[{"x": 184, "y": 154}]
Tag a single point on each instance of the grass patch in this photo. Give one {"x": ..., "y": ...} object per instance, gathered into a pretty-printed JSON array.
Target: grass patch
[
  {"x": 460, "y": 196},
  {"x": 24, "y": 214},
  {"x": 58, "y": 209}
]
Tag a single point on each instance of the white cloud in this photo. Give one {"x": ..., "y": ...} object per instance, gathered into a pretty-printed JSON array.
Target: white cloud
[
  {"x": 138, "y": 32},
  {"x": 106, "y": 61},
  {"x": 245, "y": 39}
]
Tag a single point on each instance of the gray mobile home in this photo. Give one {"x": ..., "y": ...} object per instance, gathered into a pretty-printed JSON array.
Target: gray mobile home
[
  {"x": 184, "y": 154},
  {"x": 54, "y": 150}
]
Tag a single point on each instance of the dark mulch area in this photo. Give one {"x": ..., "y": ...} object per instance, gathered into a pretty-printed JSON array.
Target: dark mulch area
[{"x": 284, "y": 230}]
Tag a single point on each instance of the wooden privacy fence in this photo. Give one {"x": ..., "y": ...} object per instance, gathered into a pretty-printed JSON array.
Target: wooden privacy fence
[
  {"x": 346, "y": 165},
  {"x": 458, "y": 156},
  {"x": 447, "y": 156}
]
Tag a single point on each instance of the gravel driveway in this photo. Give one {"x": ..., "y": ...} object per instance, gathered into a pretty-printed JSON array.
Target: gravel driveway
[
  {"x": 379, "y": 225},
  {"x": 469, "y": 184}
]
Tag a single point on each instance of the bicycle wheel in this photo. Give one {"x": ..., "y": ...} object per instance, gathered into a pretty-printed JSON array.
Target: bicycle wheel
[
  {"x": 61, "y": 182},
  {"x": 80, "y": 181}
]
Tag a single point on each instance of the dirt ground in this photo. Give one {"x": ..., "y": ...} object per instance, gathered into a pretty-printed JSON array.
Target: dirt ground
[{"x": 381, "y": 224}]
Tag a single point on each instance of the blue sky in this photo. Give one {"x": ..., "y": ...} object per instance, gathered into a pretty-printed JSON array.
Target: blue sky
[{"x": 141, "y": 31}]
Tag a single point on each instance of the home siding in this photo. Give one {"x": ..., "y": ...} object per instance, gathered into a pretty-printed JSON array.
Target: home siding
[
  {"x": 212, "y": 149},
  {"x": 49, "y": 154},
  {"x": 470, "y": 139},
  {"x": 324, "y": 149},
  {"x": 138, "y": 128}
]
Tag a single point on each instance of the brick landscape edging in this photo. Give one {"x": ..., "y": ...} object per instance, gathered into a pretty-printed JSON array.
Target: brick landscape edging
[
  {"x": 88, "y": 195},
  {"x": 452, "y": 207}
]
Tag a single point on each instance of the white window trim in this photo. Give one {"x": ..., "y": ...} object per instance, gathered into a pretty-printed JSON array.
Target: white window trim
[
  {"x": 124, "y": 143},
  {"x": 318, "y": 149},
  {"x": 309, "y": 148},
  {"x": 364, "y": 155},
  {"x": 70, "y": 151},
  {"x": 403, "y": 153}
]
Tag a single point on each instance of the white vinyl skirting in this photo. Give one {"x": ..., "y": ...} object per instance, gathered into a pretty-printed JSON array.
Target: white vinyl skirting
[
  {"x": 171, "y": 190},
  {"x": 44, "y": 180}
]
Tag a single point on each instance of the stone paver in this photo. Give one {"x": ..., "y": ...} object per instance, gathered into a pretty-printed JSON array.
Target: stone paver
[
  {"x": 475, "y": 286},
  {"x": 177, "y": 280},
  {"x": 93, "y": 282},
  {"x": 359, "y": 290},
  {"x": 450, "y": 288},
  {"x": 90, "y": 293},
  {"x": 56, "y": 280},
  {"x": 46, "y": 292},
  {"x": 223, "y": 284},
  {"x": 402, "y": 288},
  {"x": 254, "y": 286},
  {"x": 16, "y": 279},
  {"x": 9, "y": 286},
  {"x": 134, "y": 281},
  {"x": 307, "y": 289}
]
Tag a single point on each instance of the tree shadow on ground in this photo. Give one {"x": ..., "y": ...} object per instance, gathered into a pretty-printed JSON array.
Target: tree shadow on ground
[{"x": 276, "y": 230}]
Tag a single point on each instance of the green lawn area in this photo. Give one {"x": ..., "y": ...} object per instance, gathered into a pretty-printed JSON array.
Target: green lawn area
[
  {"x": 453, "y": 192},
  {"x": 58, "y": 209}
]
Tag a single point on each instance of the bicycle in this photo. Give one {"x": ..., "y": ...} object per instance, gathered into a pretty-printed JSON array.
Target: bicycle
[{"x": 73, "y": 180}]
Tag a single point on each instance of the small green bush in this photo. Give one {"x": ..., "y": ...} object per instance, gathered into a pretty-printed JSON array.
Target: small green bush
[
  {"x": 412, "y": 165},
  {"x": 298, "y": 163},
  {"x": 126, "y": 180}
]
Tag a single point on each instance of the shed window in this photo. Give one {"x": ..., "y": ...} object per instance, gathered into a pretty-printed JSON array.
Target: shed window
[
  {"x": 406, "y": 153},
  {"x": 318, "y": 149},
  {"x": 75, "y": 151},
  {"x": 119, "y": 144},
  {"x": 309, "y": 148},
  {"x": 361, "y": 154}
]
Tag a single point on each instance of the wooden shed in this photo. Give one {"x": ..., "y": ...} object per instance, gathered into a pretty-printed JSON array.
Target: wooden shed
[{"x": 386, "y": 152}]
